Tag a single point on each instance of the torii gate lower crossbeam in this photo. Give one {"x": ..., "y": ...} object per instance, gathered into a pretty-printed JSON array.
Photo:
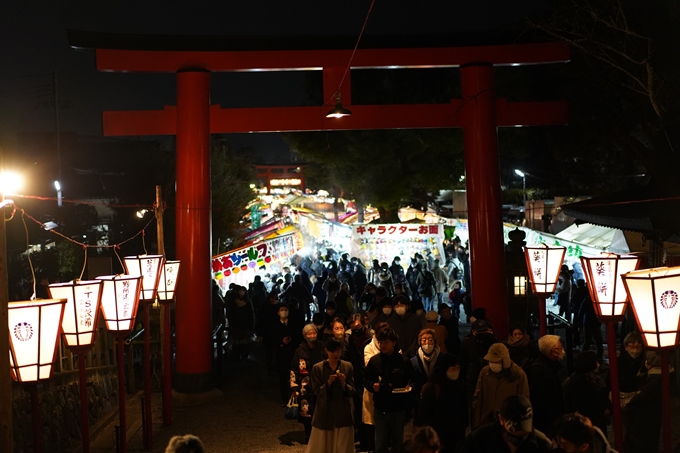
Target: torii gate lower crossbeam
[{"x": 479, "y": 113}]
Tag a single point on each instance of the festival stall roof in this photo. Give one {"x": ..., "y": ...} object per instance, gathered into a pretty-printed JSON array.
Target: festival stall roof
[
  {"x": 596, "y": 236},
  {"x": 641, "y": 209}
]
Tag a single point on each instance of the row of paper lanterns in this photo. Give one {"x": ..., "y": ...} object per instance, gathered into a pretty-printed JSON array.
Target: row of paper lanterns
[
  {"x": 612, "y": 281},
  {"x": 73, "y": 310}
]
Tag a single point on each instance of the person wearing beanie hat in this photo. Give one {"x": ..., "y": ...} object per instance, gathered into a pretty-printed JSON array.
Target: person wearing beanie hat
[
  {"x": 498, "y": 380},
  {"x": 642, "y": 415},
  {"x": 309, "y": 353},
  {"x": 440, "y": 332},
  {"x": 511, "y": 431}
]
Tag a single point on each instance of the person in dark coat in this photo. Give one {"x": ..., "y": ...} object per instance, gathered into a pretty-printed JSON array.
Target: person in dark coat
[
  {"x": 631, "y": 364},
  {"x": 475, "y": 346},
  {"x": 386, "y": 312},
  {"x": 267, "y": 315},
  {"x": 523, "y": 350},
  {"x": 309, "y": 353},
  {"x": 318, "y": 291},
  {"x": 592, "y": 328},
  {"x": 296, "y": 290},
  {"x": 360, "y": 282},
  {"x": 406, "y": 325},
  {"x": 218, "y": 306},
  {"x": 257, "y": 291},
  {"x": 286, "y": 336},
  {"x": 575, "y": 432},
  {"x": 450, "y": 322},
  {"x": 443, "y": 403},
  {"x": 545, "y": 386},
  {"x": 514, "y": 431},
  {"x": 241, "y": 317},
  {"x": 367, "y": 298},
  {"x": 356, "y": 341},
  {"x": 642, "y": 415},
  {"x": 384, "y": 373},
  {"x": 586, "y": 393}
]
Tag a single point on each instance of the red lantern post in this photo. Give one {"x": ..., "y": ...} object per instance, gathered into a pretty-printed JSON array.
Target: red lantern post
[
  {"x": 654, "y": 297},
  {"x": 78, "y": 327},
  {"x": 544, "y": 264},
  {"x": 603, "y": 276}
]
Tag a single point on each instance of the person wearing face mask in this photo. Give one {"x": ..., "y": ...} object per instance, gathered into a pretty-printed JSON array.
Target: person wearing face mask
[
  {"x": 357, "y": 338},
  {"x": 586, "y": 393},
  {"x": 498, "y": 380},
  {"x": 574, "y": 433},
  {"x": 513, "y": 431},
  {"x": 241, "y": 317},
  {"x": 309, "y": 353},
  {"x": 545, "y": 385},
  {"x": 286, "y": 336},
  {"x": 406, "y": 325},
  {"x": 440, "y": 332},
  {"x": 472, "y": 352},
  {"x": 642, "y": 415},
  {"x": 386, "y": 312},
  {"x": 443, "y": 403},
  {"x": 523, "y": 350},
  {"x": 416, "y": 307}
]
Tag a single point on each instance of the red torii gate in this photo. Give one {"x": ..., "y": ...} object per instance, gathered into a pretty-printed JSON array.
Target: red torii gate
[{"x": 479, "y": 113}]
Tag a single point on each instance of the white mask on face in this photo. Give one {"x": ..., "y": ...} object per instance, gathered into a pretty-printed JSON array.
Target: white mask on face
[
  {"x": 453, "y": 375},
  {"x": 496, "y": 367},
  {"x": 400, "y": 311},
  {"x": 387, "y": 310},
  {"x": 428, "y": 348}
]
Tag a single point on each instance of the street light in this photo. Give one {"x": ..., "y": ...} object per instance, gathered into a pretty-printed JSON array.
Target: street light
[
  {"x": 654, "y": 297},
  {"x": 78, "y": 328},
  {"x": 603, "y": 276},
  {"x": 120, "y": 299},
  {"x": 34, "y": 330},
  {"x": 544, "y": 264},
  {"x": 523, "y": 175},
  {"x": 57, "y": 186},
  {"x": 150, "y": 268}
]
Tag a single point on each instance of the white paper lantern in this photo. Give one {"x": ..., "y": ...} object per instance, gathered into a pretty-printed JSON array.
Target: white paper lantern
[
  {"x": 603, "y": 276},
  {"x": 544, "y": 264},
  {"x": 81, "y": 313},
  {"x": 168, "y": 281},
  {"x": 33, "y": 331},
  {"x": 149, "y": 267},
  {"x": 120, "y": 299},
  {"x": 654, "y": 295}
]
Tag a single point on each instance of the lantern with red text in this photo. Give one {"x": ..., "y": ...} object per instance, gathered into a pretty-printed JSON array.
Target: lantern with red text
[
  {"x": 603, "y": 276},
  {"x": 150, "y": 268},
  {"x": 544, "y": 264},
  {"x": 81, "y": 312},
  {"x": 33, "y": 332},
  {"x": 654, "y": 297},
  {"x": 120, "y": 300}
]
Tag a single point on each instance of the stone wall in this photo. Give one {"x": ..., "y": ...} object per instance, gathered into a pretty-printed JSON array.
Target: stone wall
[{"x": 60, "y": 408}]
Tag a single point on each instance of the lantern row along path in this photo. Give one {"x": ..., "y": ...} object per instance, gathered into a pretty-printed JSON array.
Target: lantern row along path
[{"x": 244, "y": 415}]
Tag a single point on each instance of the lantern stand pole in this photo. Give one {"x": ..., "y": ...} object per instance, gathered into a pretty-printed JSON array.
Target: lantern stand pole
[
  {"x": 148, "y": 419},
  {"x": 543, "y": 315},
  {"x": 84, "y": 418},
  {"x": 166, "y": 329},
  {"x": 122, "y": 442},
  {"x": 36, "y": 421},
  {"x": 6, "y": 439},
  {"x": 614, "y": 385},
  {"x": 666, "y": 400}
]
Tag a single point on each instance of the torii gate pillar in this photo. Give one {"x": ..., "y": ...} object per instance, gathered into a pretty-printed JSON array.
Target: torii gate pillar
[
  {"x": 193, "y": 365},
  {"x": 485, "y": 222}
]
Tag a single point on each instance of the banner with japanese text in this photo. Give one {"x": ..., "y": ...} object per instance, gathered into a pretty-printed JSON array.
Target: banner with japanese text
[{"x": 385, "y": 241}]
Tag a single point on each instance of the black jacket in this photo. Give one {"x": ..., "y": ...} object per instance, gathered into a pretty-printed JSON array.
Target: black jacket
[
  {"x": 391, "y": 372},
  {"x": 407, "y": 328},
  {"x": 489, "y": 438},
  {"x": 545, "y": 389},
  {"x": 283, "y": 353},
  {"x": 443, "y": 406}
]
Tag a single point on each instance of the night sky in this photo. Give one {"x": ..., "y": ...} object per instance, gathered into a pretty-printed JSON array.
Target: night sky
[{"x": 33, "y": 44}]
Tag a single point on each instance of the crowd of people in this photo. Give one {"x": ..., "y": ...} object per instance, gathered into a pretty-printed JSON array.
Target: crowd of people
[{"x": 364, "y": 352}]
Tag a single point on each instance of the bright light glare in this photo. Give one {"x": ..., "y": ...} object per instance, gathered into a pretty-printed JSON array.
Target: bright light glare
[
  {"x": 141, "y": 213},
  {"x": 57, "y": 186},
  {"x": 10, "y": 183},
  {"x": 520, "y": 173}
]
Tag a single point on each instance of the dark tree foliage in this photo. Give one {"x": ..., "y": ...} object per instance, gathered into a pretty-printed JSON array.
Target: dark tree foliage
[{"x": 623, "y": 87}]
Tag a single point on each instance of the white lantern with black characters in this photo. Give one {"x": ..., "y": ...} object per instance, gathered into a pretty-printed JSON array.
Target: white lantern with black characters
[
  {"x": 33, "y": 332},
  {"x": 150, "y": 268},
  {"x": 120, "y": 300},
  {"x": 654, "y": 297},
  {"x": 168, "y": 281},
  {"x": 603, "y": 276},
  {"x": 81, "y": 313},
  {"x": 544, "y": 264}
]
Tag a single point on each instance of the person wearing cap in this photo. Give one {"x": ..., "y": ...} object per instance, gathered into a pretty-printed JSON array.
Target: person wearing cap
[
  {"x": 513, "y": 431},
  {"x": 575, "y": 433},
  {"x": 472, "y": 352},
  {"x": 450, "y": 323},
  {"x": 406, "y": 325},
  {"x": 443, "y": 403},
  {"x": 309, "y": 353},
  {"x": 440, "y": 332},
  {"x": 545, "y": 384},
  {"x": 642, "y": 415},
  {"x": 498, "y": 380}
]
